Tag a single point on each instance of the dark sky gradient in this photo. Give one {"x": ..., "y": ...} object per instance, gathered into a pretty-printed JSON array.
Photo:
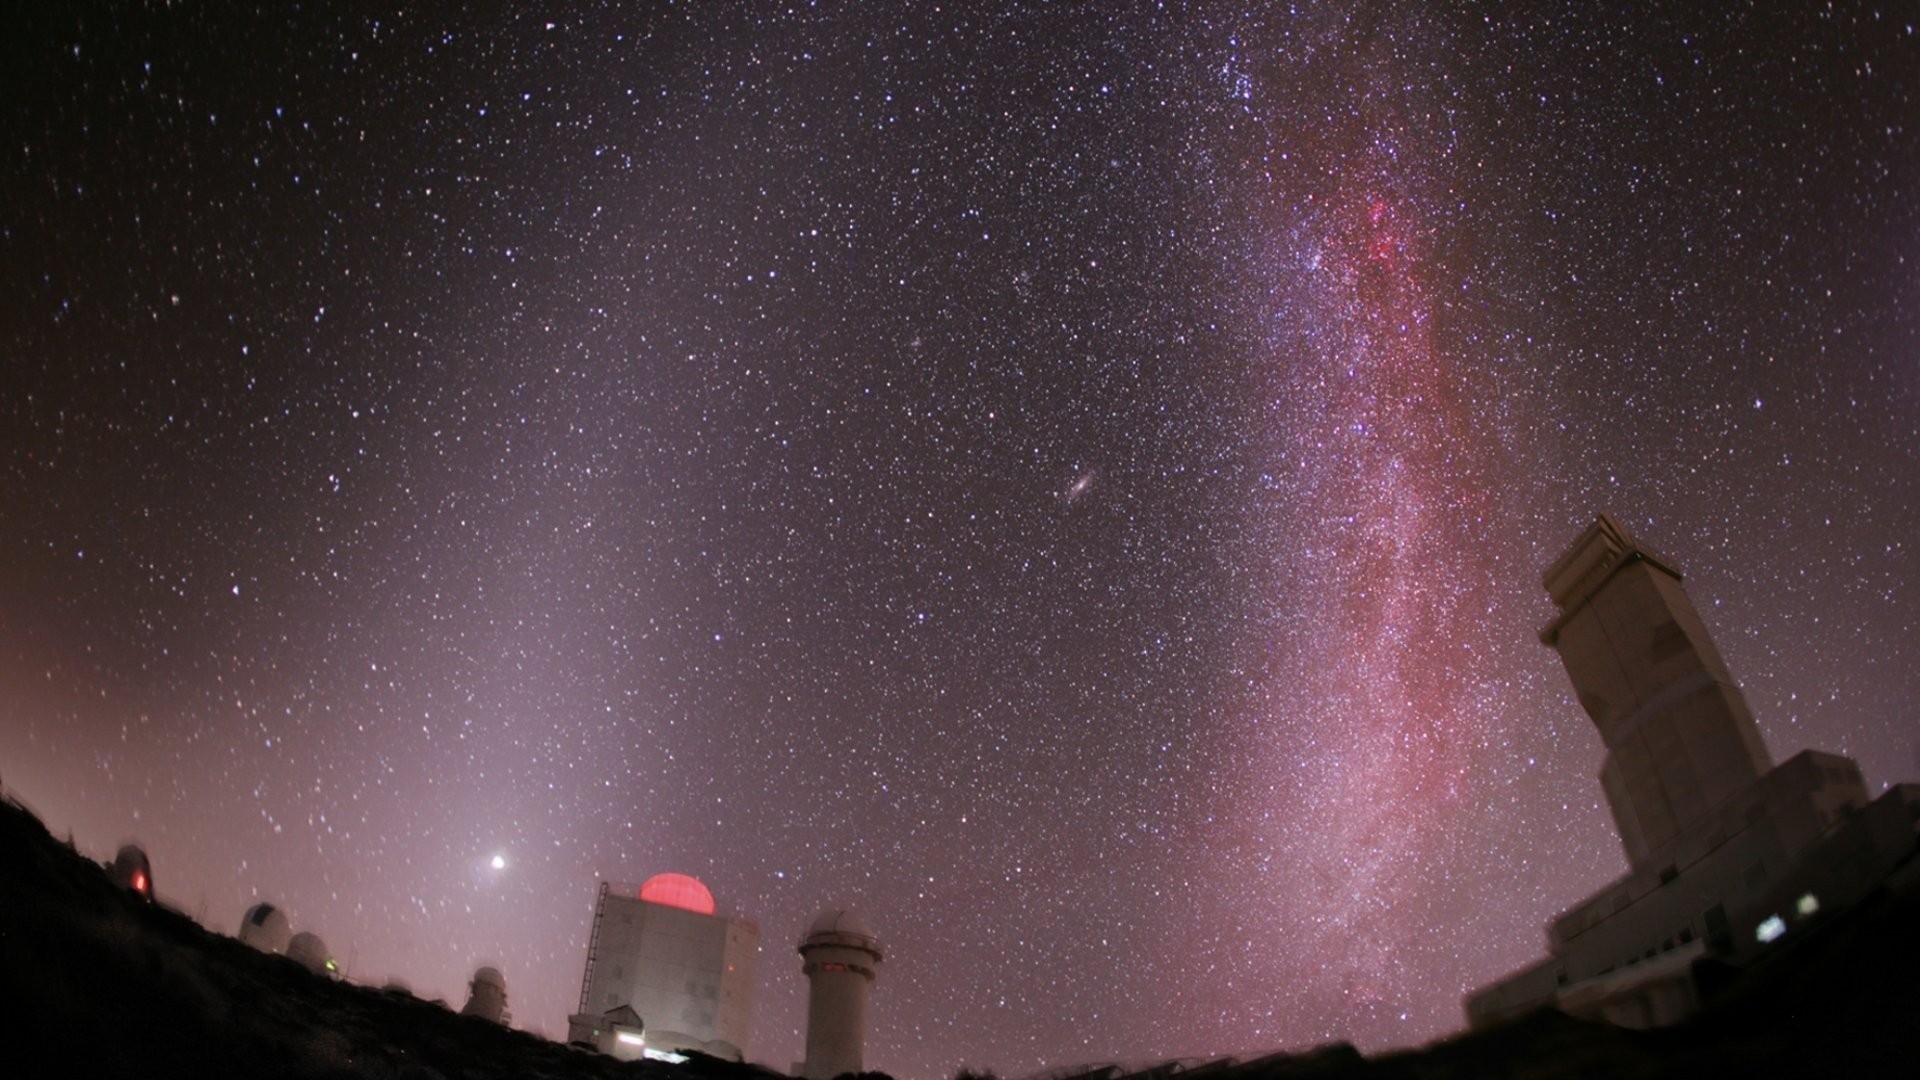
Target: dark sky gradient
[{"x": 1070, "y": 482}]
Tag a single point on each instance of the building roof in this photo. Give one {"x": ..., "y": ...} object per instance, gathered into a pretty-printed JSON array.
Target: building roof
[
  {"x": 678, "y": 891},
  {"x": 842, "y": 928}
]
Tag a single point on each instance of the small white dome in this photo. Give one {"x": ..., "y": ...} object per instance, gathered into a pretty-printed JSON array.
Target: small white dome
[
  {"x": 841, "y": 922},
  {"x": 842, "y": 930},
  {"x": 265, "y": 928},
  {"x": 307, "y": 950}
]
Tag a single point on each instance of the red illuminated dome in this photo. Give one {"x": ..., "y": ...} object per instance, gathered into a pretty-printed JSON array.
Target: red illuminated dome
[{"x": 678, "y": 890}]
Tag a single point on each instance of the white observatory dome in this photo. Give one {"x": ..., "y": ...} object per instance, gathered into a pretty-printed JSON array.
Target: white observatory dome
[
  {"x": 487, "y": 996},
  {"x": 848, "y": 928},
  {"x": 265, "y": 927},
  {"x": 307, "y": 950}
]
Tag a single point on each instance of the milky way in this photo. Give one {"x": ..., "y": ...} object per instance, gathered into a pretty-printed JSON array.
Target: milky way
[
  {"x": 1381, "y": 587},
  {"x": 1071, "y": 484}
]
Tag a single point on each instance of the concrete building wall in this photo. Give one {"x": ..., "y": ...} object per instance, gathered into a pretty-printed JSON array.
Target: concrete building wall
[
  {"x": 836, "y": 1017},
  {"x": 1680, "y": 738},
  {"x": 1851, "y": 859},
  {"x": 734, "y": 1021},
  {"x": 1734, "y": 850},
  {"x": 690, "y": 976}
]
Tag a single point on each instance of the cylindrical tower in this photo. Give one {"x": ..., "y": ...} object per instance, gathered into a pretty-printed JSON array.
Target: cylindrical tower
[{"x": 838, "y": 956}]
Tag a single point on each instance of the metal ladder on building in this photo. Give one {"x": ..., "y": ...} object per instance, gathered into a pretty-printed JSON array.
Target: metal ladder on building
[{"x": 593, "y": 945}]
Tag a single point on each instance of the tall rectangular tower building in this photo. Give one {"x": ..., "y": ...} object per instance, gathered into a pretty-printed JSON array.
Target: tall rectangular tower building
[
  {"x": 1728, "y": 853},
  {"x": 662, "y": 949},
  {"x": 1680, "y": 739}
]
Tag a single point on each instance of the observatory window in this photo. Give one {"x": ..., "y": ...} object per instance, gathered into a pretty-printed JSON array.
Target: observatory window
[{"x": 1808, "y": 904}]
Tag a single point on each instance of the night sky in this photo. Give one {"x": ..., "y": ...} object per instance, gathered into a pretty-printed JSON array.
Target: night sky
[{"x": 1069, "y": 481}]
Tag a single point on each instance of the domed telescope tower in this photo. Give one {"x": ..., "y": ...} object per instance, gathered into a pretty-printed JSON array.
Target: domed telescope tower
[
  {"x": 310, "y": 952},
  {"x": 131, "y": 870},
  {"x": 487, "y": 996},
  {"x": 838, "y": 956},
  {"x": 265, "y": 927}
]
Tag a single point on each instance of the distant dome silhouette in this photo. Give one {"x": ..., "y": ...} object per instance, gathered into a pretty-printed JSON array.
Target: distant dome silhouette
[
  {"x": 131, "y": 870},
  {"x": 487, "y": 996},
  {"x": 310, "y": 952}
]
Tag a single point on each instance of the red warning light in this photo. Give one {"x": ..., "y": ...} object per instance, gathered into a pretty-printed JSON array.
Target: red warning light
[{"x": 140, "y": 882}]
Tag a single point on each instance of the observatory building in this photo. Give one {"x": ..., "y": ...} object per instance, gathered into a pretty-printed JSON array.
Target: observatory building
[
  {"x": 487, "y": 997},
  {"x": 686, "y": 971},
  {"x": 1727, "y": 852},
  {"x": 132, "y": 871},
  {"x": 265, "y": 927},
  {"x": 839, "y": 955},
  {"x": 310, "y": 951}
]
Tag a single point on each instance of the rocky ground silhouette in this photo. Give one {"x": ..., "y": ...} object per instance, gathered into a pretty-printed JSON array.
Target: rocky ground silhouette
[{"x": 95, "y": 982}]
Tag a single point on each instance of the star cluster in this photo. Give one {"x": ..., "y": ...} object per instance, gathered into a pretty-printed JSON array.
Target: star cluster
[{"x": 1069, "y": 483}]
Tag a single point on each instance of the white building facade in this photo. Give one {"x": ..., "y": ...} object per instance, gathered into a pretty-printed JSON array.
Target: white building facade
[{"x": 663, "y": 949}]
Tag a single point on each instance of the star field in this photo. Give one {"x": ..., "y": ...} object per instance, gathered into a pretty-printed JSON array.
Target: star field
[{"x": 1071, "y": 484}]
